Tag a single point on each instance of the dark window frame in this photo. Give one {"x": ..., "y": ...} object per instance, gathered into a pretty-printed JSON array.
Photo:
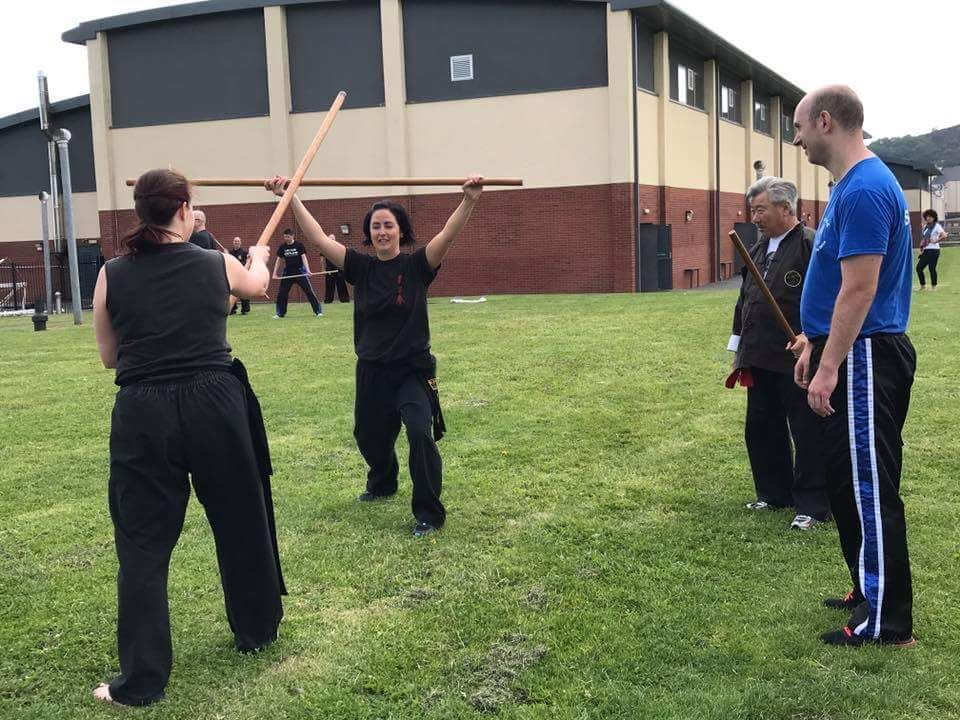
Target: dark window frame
[
  {"x": 681, "y": 56},
  {"x": 762, "y": 111},
  {"x": 787, "y": 131},
  {"x": 733, "y": 113},
  {"x": 646, "y": 76}
]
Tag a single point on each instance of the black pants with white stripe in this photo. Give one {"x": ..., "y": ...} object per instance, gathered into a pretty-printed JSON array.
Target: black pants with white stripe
[{"x": 863, "y": 450}]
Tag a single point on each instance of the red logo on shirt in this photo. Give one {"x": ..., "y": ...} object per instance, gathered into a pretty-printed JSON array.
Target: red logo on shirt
[{"x": 399, "y": 300}]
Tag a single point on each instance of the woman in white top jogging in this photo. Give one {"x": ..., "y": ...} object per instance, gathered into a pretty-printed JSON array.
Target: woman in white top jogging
[{"x": 931, "y": 235}]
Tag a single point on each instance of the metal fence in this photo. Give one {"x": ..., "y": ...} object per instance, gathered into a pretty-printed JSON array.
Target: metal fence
[{"x": 23, "y": 285}]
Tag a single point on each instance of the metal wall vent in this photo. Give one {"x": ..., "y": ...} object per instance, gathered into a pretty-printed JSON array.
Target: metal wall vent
[{"x": 461, "y": 68}]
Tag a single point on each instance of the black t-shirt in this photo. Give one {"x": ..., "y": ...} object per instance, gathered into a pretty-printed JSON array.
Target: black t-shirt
[
  {"x": 240, "y": 254},
  {"x": 203, "y": 239},
  {"x": 390, "y": 306},
  {"x": 291, "y": 254}
]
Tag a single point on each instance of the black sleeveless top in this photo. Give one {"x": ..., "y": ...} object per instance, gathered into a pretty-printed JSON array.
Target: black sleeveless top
[{"x": 168, "y": 308}]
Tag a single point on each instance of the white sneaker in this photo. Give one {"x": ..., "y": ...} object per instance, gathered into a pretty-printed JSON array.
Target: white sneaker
[
  {"x": 803, "y": 522},
  {"x": 319, "y": 314},
  {"x": 760, "y": 505},
  {"x": 277, "y": 317}
]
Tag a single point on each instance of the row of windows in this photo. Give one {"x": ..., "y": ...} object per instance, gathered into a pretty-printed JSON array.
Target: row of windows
[{"x": 686, "y": 86}]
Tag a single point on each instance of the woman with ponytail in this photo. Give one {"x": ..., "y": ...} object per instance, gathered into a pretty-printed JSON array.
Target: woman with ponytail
[{"x": 184, "y": 407}]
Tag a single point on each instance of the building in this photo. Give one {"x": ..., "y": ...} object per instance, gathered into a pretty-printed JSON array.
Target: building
[
  {"x": 636, "y": 129},
  {"x": 916, "y": 181}
]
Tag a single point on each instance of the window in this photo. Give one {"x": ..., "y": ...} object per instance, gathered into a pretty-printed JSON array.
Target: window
[
  {"x": 761, "y": 112},
  {"x": 686, "y": 79},
  {"x": 645, "y": 63},
  {"x": 730, "y": 100},
  {"x": 787, "y": 132}
]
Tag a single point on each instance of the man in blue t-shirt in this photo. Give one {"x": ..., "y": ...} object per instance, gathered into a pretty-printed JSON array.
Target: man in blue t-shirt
[{"x": 857, "y": 364}]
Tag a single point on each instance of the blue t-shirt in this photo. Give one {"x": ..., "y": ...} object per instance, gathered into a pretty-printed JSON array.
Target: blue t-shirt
[{"x": 867, "y": 215}]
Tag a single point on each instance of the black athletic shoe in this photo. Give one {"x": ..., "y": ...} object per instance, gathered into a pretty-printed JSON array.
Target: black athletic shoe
[
  {"x": 845, "y": 637},
  {"x": 422, "y": 529},
  {"x": 848, "y": 602},
  {"x": 370, "y": 497}
]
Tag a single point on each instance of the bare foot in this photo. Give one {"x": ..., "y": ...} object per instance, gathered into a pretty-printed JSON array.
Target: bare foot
[{"x": 102, "y": 693}]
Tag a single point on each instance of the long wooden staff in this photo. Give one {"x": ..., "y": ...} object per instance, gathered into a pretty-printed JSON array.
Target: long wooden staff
[
  {"x": 294, "y": 182},
  {"x": 297, "y": 178},
  {"x": 758, "y": 278},
  {"x": 356, "y": 182},
  {"x": 309, "y": 274}
]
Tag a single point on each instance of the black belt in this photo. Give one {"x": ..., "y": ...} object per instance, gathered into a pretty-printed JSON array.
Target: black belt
[{"x": 261, "y": 450}]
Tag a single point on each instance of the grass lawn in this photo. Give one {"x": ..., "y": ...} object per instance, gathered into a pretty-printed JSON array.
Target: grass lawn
[{"x": 597, "y": 561}]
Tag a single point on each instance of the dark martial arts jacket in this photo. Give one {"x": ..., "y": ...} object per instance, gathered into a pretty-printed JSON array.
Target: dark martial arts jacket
[{"x": 762, "y": 340}]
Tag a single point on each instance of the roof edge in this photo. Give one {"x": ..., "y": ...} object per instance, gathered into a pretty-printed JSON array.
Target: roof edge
[{"x": 34, "y": 113}]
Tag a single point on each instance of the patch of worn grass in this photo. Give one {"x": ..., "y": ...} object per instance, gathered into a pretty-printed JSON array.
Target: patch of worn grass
[{"x": 595, "y": 478}]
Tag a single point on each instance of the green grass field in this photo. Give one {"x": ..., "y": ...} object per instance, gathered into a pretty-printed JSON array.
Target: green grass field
[{"x": 597, "y": 561}]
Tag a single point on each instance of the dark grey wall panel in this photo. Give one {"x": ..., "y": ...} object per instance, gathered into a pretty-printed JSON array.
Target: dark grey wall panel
[
  {"x": 335, "y": 46},
  {"x": 645, "y": 62},
  {"x": 518, "y": 46},
  {"x": 24, "y": 170},
  {"x": 209, "y": 67}
]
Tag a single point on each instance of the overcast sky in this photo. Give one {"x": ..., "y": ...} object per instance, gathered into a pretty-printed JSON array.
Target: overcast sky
[{"x": 894, "y": 61}]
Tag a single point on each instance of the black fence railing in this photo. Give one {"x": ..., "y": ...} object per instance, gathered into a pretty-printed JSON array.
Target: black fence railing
[{"x": 23, "y": 285}]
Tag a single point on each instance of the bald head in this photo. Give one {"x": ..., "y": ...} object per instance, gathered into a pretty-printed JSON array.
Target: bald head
[
  {"x": 199, "y": 220},
  {"x": 840, "y": 102}
]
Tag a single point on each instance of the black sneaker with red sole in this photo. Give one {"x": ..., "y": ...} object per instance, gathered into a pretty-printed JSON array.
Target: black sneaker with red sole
[
  {"x": 848, "y": 602},
  {"x": 845, "y": 637}
]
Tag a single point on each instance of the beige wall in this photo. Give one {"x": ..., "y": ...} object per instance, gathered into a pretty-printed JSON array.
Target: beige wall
[
  {"x": 226, "y": 148},
  {"x": 550, "y": 139},
  {"x": 732, "y": 148},
  {"x": 918, "y": 200},
  {"x": 687, "y": 142},
  {"x": 355, "y": 147},
  {"x": 761, "y": 148},
  {"x": 790, "y": 164},
  {"x": 951, "y": 197},
  {"x": 648, "y": 138},
  {"x": 808, "y": 190},
  {"x": 21, "y": 218}
]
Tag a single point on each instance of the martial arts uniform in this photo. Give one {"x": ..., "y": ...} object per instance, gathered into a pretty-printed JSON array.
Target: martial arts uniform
[
  {"x": 868, "y": 215},
  {"x": 292, "y": 254},
  {"x": 241, "y": 254},
  {"x": 184, "y": 407},
  {"x": 777, "y": 409},
  {"x": 335, "y": 282},
  {"x": 203, "y": 239},
  {"x": 396, "y": 376}
]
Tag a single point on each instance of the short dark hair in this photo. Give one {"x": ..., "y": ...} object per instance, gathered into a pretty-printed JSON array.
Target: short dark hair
[
  {"x": 288, "y": 231},
  {"x": 843, "y": 105},
  {"x": 931, "y": 214},
  {"x": 403, "y": 220}
]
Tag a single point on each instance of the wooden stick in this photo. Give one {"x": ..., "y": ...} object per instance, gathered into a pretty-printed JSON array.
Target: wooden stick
[
  {"x": 758, "y": 278},
  {"x": 301, "y": 170},
  {"x": 356, "y": 182},
  {"x": 310, "y": 274}
]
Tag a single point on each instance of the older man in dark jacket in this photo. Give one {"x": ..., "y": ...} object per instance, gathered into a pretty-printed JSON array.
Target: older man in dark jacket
[{"x": 777, "y": 409}]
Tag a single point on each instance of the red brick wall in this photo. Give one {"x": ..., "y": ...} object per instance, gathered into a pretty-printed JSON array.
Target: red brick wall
[
  {"x": 916, "y": 227},
  {"x": 554, "y": 240},
  {"x": 26, "y": 251},
  {"x": 693, "y": 241},
  {"x": 730, "y": 205}
]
